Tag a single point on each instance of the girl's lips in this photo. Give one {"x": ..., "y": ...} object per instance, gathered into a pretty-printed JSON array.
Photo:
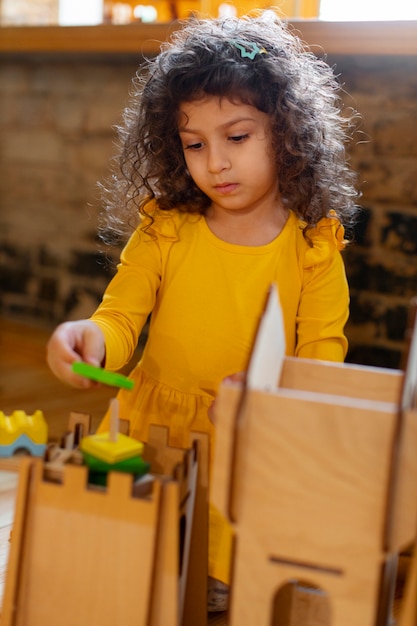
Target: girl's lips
[{"x": 226, "y": 187}]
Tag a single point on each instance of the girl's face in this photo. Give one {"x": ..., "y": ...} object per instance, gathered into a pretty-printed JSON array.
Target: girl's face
[{"x": 228, "y": 152}]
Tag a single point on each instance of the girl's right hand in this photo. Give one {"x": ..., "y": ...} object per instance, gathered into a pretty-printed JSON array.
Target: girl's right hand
[{"x": 75, "y": 341}]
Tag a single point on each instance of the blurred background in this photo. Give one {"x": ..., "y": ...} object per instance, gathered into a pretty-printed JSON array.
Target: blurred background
[
  {"x": 65, "y": 73},
  {"x": 84, "y": 12}
]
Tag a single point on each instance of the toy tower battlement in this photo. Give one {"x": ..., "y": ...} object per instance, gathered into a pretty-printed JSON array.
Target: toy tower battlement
[
  {"x": 82, "y": 554},
  {"x": 22, "y": 432}
]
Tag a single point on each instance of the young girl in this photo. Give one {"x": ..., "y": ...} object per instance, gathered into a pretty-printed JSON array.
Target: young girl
[{"x": 233, "y": 155}]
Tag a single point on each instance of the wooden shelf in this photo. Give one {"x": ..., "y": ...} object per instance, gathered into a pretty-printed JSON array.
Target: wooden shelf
[
  {"x": 132, "y": 38},
  {"x": 368, "y": 38},
  {"x": 350, "y": 38}
]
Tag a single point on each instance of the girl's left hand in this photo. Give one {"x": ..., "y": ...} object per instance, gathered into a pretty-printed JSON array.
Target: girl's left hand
[{"x": 239, "y": 377}]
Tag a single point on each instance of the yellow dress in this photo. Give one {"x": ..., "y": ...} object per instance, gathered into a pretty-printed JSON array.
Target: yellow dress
[{"x": 206, "y": 297}]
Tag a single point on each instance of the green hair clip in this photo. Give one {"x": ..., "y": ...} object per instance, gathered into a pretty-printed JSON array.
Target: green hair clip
[{"x": 248, "y": 49}]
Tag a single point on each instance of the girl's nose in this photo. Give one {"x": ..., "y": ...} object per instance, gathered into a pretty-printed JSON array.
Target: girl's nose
[{"x": 218, "y": 160}]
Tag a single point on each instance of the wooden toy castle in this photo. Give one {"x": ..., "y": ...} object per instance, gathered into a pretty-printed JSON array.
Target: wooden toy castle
[
  {"x": 126, "y": 554},
  {"x": 315, "y": 468}
]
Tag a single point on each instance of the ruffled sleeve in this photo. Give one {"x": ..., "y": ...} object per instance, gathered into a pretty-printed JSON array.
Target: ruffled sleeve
[
  {"x": 324, "y": 304},
  {"x": 327, "y": 238}
]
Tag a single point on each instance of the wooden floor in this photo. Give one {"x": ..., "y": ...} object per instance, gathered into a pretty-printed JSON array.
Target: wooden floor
[{"x": 27, "y": 384}]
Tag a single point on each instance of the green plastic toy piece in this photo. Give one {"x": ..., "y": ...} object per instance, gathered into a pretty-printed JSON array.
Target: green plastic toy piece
[
  {"x": 135, "y": 465},
  {"x": 102, "y": 376}
]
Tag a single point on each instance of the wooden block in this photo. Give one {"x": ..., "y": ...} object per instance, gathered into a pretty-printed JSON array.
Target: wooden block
[
  {"x": 408, "y": 611},
  {"x": 323, "y": 465},
  {"x": 162, "y": 457},
  {"x": 228, "y": 405},
  {"x": 79, "y": 424},
  {"x": 79, "y": 556},
  {"x": 165, "y": 613},
  {"x": 167, "y": 460},
  {"x": 308, "y": 494},
  {"x": 298, "y": 605},
  {"x": 404, "y": 501},
  {"x": 193, "y": 579},
  {"x": 342, "y": 379},
  {"x": 69, "y": 533}
]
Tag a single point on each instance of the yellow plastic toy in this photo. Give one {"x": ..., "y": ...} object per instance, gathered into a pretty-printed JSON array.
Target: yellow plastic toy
[
  {"x": 113, "y": 449},
  {"x": 20, "y": 432},
  {"x": 102, "y": 447}
]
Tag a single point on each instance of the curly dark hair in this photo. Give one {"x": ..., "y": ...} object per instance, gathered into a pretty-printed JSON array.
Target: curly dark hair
[{"x": 298, "y": 90}]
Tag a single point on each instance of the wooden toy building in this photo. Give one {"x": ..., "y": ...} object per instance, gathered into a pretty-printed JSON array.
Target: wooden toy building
[
  {"x": 316, "y": 469},
  {"x": 126, "y": 554}
]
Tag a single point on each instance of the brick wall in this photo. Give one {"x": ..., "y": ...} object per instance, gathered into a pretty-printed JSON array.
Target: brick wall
[
  {"x": 56, "y": 119},
  {"x": 382, "y": 263},
  {"x": 56, "y": 124}
]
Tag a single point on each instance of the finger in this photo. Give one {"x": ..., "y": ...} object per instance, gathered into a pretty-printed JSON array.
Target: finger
[
  {"x": 93, "y": 351},
  {"x": 64, "y": 347}
]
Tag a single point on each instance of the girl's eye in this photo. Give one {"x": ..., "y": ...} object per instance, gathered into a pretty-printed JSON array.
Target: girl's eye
[
  {"x": 194, "y": 146},
  {"x": 238, "y": 138}
]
